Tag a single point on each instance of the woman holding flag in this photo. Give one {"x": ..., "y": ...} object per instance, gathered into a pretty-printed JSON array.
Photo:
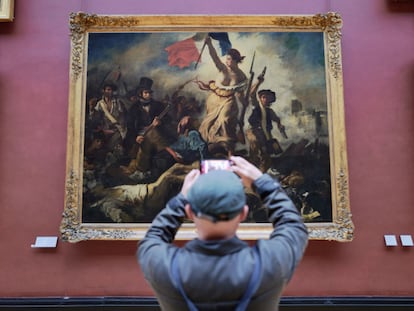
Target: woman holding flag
[{"x": 219, "y": 125}]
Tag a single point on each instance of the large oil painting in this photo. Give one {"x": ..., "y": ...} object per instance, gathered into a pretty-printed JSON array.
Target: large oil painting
[{"x": 148, "y": 102}]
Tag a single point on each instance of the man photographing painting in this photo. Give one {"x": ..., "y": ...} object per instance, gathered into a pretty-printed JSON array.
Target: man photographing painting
[{"x": 218, "y": 271}]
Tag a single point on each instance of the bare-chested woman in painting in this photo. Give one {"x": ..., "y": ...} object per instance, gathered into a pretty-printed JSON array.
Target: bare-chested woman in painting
[{"x": 219, "y": 125}]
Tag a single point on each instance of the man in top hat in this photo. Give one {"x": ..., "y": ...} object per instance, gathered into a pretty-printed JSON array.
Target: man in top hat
[
  {"x": 262, "y": 144},
  {"x": 216, "y": 270},
  {"x": 147, "y": 130}
]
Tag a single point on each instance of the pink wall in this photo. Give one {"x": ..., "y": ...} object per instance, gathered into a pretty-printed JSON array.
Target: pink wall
[{"x": 378, "y": 66}]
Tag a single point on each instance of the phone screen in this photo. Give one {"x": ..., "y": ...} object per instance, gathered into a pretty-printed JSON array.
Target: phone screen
[{"x": 211, "y": 165}]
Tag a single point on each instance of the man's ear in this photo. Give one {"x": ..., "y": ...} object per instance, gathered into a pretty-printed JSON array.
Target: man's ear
[
  {"x": 244, "y": 213},
  {"x": 189, "y": 212}
]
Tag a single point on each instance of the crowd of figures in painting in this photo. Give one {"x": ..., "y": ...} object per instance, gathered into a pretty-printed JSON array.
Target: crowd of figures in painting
[{"x": 151, "y": 117}]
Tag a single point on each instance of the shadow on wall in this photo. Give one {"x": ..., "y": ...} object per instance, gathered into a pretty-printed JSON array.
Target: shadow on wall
[{"x": 401, "y": 6}]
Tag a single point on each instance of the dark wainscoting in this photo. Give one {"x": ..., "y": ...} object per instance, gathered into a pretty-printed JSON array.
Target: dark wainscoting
[{"x": 150, "y": 304}]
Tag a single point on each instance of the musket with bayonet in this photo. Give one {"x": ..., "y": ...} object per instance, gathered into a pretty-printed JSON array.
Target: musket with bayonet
[
  {"x": 249, "y": 86},
  {"x": 246, "y": 101}
]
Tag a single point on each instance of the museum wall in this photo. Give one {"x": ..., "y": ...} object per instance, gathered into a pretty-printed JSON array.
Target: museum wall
[{"x": 378, "y": 76}]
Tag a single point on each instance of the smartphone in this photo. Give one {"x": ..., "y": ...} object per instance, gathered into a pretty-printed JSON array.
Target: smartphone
[{"x": 211, "y": 165}]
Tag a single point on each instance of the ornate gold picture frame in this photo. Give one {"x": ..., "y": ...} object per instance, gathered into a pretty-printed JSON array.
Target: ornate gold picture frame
[
  {"x": 6, "y": 10},
  {"x": 116, "y": 183}
]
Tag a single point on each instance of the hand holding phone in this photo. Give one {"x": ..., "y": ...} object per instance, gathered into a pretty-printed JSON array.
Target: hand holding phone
[{"x": 211, "y": 165}]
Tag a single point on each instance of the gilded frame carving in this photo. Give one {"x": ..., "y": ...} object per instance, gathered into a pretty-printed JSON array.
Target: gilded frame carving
[
  {"x": 6, "y": 10},
  {"x": 83, "y": 28}
]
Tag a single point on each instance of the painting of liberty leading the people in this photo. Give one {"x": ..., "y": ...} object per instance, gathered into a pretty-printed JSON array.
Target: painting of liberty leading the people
[{"x": 159, "y": 103}]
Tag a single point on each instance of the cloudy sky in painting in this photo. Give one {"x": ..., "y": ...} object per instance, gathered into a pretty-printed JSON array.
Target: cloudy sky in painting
[{"x": 294, "y": 60}]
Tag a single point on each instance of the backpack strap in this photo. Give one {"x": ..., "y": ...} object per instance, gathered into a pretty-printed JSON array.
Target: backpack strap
[
  {"x": 253, "y": 283},
  {"x": 251, "y": 287},
  {"x": 176, "y": 278}
]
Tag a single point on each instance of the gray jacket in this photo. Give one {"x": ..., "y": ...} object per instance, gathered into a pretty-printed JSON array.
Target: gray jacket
[{"x": 215, "y": 274}]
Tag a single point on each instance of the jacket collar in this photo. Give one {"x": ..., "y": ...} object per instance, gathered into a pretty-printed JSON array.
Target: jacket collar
[{"x": 216, "y": 247}]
